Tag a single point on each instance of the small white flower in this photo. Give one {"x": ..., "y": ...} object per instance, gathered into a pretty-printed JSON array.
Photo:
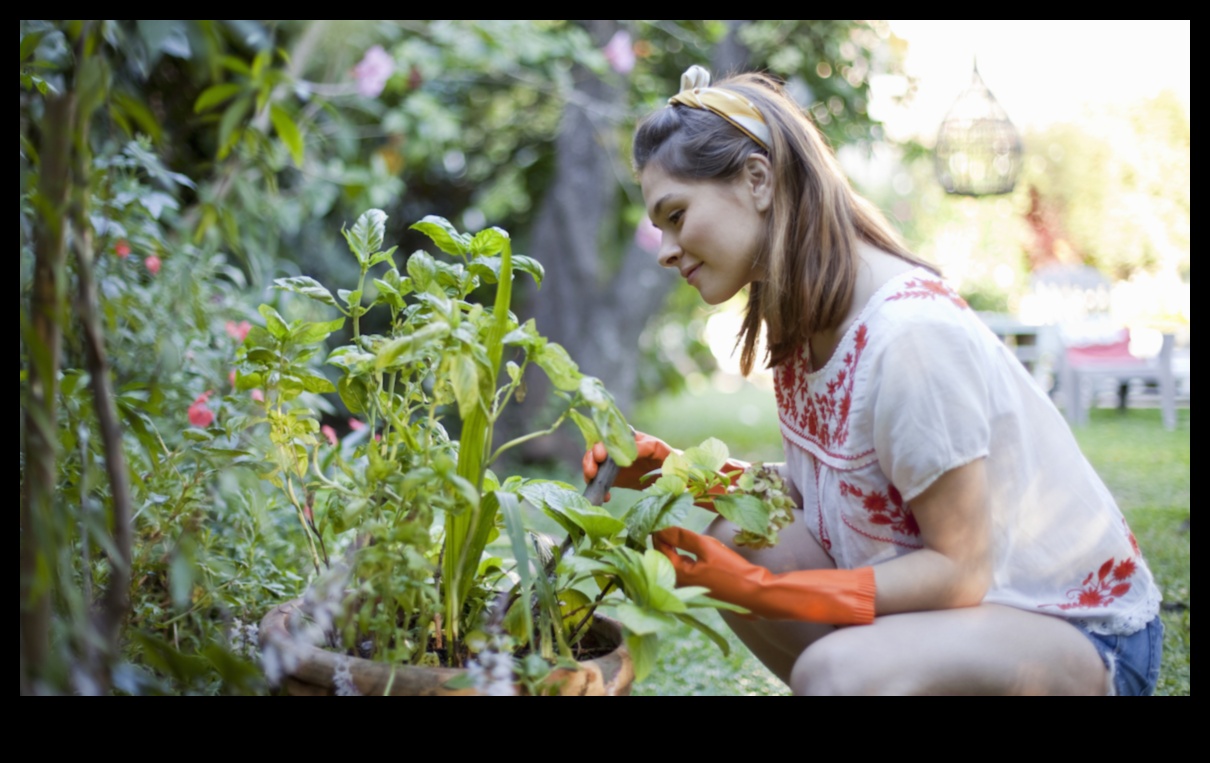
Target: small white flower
[
  {"x": 492, "y": 672},
  {"x": 343, "y": 679}
]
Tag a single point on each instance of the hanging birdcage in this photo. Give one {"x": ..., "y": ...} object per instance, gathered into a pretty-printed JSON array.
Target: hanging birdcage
[{"x": 978, "y": 149}]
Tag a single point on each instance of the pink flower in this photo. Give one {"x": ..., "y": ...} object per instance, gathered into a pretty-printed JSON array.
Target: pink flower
[
  {"x": 238, "y": 331},
  {"x": 330, "y": 433},
  {"x": 619, "y": 52},
  {"x": 200, "y": 414},
  {"x": 122, "y": 248},
  {"x": 373, "y": 71},
  {"x": 647, "y": 236},
  {"x": 356, "y": 425},
  {"x": 153, "y": 264},
  {"x": 258, "y": 396},
  {"x": 231, "y": 377}
]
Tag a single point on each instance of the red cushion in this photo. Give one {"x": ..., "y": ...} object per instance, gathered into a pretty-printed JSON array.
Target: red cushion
[{"x": 1116, "y": 352}]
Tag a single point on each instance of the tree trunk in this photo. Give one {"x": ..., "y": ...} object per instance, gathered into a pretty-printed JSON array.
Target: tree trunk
[
  {"x": 596, "y": 315},
  {"x": 43, "y": 337}
]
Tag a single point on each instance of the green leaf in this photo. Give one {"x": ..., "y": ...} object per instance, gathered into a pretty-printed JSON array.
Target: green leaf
[
  {"x": 488, "y": 243},
  {"x": 531, "y": 266},
  {"x": 353, "y": 394},
  {"x": 214, "y": 95},
  {"x": 245, "y": 382},
  {"x": 747, "y": 511},
  {"x": 274, "y": 322},
  {"x": 234, "y": 64},
  {"x": 443, "y": 234},
  {"x": 306, "y": 287},
  {"x": 140, "y": 113},
  {"x": 596, "y": 522},
  {"x": 519, "y": 538},
  {"x": 643, "y": 515},
  {"x": 403, "y": 349},
  {"x": 29, "y": 43},
  {"x": 351, "y": 298},
  {"x": 230, "y": 120},
  {"x": 643, "y": 650},
  {"x": 615, "y": 432},
  {"x": 421, "y": 268},
  {"x": 558, "y": 365},
  {"x": 640, "y": 620},
  {"x": 383, "y": 257},
  {"x": 658, "y": 569},
  {"x": 464, "y": 378},
  {"x": 588, "y": 430},
  {"x": 287, "y": 130},
  {"x": 719, "y": 639},
  {"x": 710, "y": 456},
  {"x": 311, "y": 382},
  {"x": 367, "y": 234},
  {"x": 312, "y": 333}
]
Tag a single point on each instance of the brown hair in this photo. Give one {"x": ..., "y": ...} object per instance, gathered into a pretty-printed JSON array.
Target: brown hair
[{"x": 809, "y": 255}]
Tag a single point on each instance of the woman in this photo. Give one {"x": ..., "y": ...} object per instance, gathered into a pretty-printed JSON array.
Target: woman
[{"x": 951, "y": 538}]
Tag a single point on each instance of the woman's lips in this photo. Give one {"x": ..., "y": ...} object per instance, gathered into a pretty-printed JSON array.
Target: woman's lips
[{"x": 692, "y": 272}]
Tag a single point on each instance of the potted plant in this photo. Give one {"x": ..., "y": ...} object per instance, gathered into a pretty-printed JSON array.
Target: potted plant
[{"x": 423, "y": 555}]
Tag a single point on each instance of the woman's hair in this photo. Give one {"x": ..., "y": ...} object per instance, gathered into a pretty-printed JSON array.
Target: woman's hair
[{"x": 809, "y": 255}]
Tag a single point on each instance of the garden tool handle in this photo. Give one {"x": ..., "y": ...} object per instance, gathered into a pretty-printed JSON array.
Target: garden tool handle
[
  {"x": 607, "y": 472},
  {"x": 595, "y": 492}
]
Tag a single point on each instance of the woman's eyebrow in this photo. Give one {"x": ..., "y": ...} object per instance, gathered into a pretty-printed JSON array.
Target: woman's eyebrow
[{"x": 655, "y": 210}]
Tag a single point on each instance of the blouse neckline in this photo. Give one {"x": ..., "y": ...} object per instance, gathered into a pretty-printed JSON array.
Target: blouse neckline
[{"x": 875, "y": 300}]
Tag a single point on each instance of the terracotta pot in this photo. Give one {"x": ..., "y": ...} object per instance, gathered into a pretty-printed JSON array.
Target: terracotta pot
[{"x": 610, "y": 675}]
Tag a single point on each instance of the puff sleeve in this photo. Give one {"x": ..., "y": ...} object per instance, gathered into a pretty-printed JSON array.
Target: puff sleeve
[{"x": 930, "y": 397}]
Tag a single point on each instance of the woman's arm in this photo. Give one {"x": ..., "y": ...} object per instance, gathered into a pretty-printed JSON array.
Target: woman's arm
[{"x": 954, "y": 567}]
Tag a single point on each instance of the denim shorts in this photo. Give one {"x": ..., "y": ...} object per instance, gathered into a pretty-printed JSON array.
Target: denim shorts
[{"x": 1133, "y": 661}]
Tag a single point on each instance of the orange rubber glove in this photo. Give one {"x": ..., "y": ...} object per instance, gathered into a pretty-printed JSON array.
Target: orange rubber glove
[
  {"x": 839, "y": 597},
  {"x": 651, "y": 454}
]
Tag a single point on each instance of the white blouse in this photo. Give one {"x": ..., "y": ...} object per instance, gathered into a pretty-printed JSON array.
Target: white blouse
[{"x": 919, "y": 386}]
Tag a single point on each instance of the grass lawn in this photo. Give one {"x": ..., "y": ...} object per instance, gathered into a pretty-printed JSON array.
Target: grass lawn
[{"x": 1146, "y": 468}]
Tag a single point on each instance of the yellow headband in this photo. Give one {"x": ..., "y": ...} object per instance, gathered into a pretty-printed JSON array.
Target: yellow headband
[{"x": 696, "y": 93}]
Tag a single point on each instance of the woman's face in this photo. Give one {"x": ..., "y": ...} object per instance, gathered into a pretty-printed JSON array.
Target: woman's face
[{"x": 711, "y": 232}]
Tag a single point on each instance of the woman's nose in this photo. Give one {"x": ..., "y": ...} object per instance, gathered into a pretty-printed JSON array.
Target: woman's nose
[{"x": 670, "y": 252}]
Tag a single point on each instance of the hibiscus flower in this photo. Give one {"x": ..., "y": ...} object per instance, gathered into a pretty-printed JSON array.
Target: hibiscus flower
[{"x": 200, "y": 414}]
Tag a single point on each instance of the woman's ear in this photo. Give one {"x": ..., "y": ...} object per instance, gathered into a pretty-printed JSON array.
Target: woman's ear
[{"x": 758, "y": 178}]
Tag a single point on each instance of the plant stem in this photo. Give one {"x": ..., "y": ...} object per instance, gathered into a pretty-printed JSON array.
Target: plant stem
[
  {"x": 526, "y": 438},
  {"x": 42, "y": 334}
]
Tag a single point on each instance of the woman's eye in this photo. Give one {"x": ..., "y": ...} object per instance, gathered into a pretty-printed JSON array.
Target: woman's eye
[{"x": 675, "y": 217}]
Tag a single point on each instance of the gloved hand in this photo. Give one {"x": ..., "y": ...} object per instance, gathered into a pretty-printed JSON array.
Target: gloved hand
[
  {"x": 651, "y": 454},
  {"x": 839, "y": 597}
]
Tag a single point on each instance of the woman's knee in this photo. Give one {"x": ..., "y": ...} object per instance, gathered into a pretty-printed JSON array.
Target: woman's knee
[{"x": 832, "y": 666}]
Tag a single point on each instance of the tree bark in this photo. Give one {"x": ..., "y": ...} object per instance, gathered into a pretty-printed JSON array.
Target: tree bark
[
  {"x": 115, "y": 605},
  {"x": 597, "y": 316}
]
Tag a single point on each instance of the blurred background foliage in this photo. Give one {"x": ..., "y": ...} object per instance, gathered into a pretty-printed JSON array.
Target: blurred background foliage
[
  {"x": 198, "y": 160},
  {"x": 213, "y": 156}
]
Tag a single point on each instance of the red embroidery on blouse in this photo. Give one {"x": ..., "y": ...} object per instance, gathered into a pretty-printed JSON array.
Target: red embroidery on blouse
[
  {"x": 889, "y": 538},
  {"x": 824, "y": 538},
  {"x": 884, "y": 508},
  {"x": 928, "y": 288},
  {"x": 1134, "y": 544},
  {"x": 1101, "y": 588},
  {"x": 820, "y": 416}
]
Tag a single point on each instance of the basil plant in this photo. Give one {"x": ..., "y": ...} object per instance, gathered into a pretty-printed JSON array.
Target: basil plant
[{"x": 417, "y": 517}]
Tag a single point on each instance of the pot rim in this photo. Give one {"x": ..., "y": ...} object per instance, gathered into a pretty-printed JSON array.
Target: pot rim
[{"x": 312, "y": 668}]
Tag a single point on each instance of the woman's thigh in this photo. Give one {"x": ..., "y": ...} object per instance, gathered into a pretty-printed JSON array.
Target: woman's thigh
[
  {"x": 777, "y": 643},
  {"x": 988, "y": 649}
]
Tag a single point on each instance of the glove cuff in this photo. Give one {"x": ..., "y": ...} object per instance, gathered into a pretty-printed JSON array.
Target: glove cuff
[{"x": 839, "y": 597}]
